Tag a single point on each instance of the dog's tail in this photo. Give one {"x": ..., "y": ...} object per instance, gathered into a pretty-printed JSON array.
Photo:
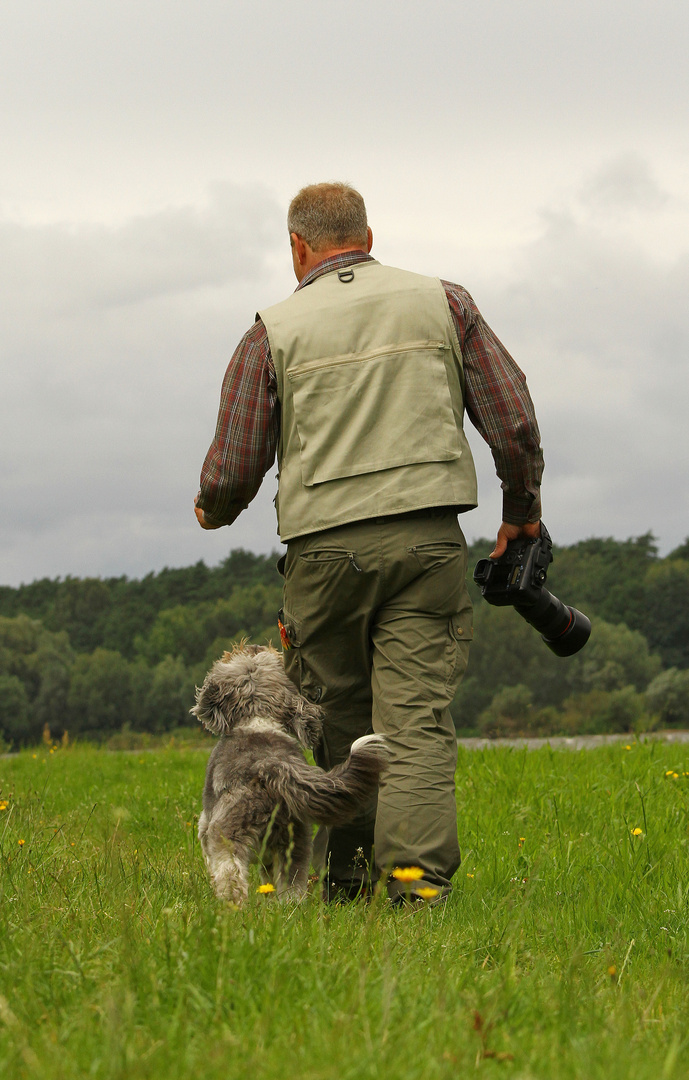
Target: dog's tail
[{"x": 331, "y": 798}]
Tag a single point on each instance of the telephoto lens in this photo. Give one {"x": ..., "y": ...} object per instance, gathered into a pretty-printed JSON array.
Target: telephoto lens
[
  {"x": 518, "y": 579},
  {"x": 564, "y": 629}
]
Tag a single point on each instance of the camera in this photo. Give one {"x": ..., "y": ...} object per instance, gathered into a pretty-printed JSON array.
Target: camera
[{"x": 518, "y": 578}]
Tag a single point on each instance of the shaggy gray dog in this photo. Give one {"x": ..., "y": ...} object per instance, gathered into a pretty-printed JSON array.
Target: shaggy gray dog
[{"x": 261, "y": 797}]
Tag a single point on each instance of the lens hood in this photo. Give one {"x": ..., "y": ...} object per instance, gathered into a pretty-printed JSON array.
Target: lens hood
[{"x": 573, "y": 637}]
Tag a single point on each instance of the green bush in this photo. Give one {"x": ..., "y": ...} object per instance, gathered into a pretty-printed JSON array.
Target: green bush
[
  {"x": 601, "y": 712},
  {"x": 142, "y": 645},
  {"x": 667, "y": 697},
  {"x": 100, "y": 693},
  {"x": 169, "y": 697},
  {"x": 15, "y": 716},
  {"x": 614, "y": 657}
]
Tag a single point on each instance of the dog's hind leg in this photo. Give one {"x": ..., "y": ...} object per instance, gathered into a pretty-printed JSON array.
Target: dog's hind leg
[
  {"x": 229, "y": 871},
  {"x": 228, "y": 865}
]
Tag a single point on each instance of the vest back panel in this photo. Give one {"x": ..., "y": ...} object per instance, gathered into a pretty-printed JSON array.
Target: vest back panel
[{"x": 370, "y": 384}]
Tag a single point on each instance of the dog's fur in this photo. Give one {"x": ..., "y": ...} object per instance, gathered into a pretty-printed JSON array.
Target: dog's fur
[{"x": 261, "y": 796}]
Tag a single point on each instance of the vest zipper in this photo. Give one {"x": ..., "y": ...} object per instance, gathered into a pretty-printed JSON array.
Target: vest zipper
[
  {"x": 352, "y": 558},
  {"x": 337, "y": 361}
]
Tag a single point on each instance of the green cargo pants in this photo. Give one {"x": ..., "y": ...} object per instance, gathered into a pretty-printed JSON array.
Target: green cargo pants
[{"x": 380, "y": 621}]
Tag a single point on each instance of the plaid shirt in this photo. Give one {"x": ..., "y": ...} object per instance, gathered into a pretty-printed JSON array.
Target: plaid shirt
[{"x": 496, "y": 399}]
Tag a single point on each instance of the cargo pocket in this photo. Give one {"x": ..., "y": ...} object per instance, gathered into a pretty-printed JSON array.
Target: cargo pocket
[
  {"x": 460, "y": 631},
  {"x": 393, "y": 408},
  {"x": 291, "y": 653},
  {"x": 295, "y": 668},
  {"x": 290, "y": 636}
]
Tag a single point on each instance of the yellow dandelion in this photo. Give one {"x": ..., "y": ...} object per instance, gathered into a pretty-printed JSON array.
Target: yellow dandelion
[
  {"x": 266, "y": 888},
  {"x": 637, "y": 831},
  {"x": 675, "y": 775},
  {"x": 470, "y": 875},
  {"x": 34, "y": 756},
  {"x": 21, "y": 842},
  {"x": 669, "y": 772},
  {"x": 407, "y": 873},
  {"x": 3, "y": 805},
  {"x": 426, "y": 893},
  {"x": 612, "y": 971},
  {"x": 627, "y": 747}
]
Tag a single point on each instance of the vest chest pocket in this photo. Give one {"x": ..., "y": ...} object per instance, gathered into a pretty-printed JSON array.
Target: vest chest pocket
[{"x": 381, "y": 410}]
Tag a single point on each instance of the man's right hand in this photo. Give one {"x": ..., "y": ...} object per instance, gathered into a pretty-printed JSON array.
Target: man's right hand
[
  {"x": 202, "y": 521},
  {"x": 507, "y": 532},
  {"x": 200, "y": 515}
]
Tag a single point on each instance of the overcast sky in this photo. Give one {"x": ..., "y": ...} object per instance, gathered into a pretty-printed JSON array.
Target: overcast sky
[{"x": 537, "y": 153}]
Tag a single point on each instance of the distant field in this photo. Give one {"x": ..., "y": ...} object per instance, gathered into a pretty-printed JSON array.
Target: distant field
[{"x": 562, "y": 953}]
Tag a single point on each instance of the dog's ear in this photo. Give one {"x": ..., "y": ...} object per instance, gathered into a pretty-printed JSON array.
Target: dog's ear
[
  {"x": 306, "y": 720},
  {"x": 213, "y": 707}
]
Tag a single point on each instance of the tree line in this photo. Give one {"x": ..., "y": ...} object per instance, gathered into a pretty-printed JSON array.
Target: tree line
[{"x": 92, "y": 656}]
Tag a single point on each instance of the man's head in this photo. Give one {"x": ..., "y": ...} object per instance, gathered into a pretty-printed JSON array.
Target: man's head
[{"x": 326, "y": 219}]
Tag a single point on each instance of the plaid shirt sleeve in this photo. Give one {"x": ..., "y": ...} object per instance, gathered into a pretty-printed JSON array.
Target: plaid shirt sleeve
[
  {"x": 246, "y": 433},
  {"x": 499, "y": 406}
]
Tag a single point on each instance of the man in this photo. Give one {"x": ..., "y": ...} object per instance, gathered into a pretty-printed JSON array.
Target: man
[{"x": 359, "y": 381}]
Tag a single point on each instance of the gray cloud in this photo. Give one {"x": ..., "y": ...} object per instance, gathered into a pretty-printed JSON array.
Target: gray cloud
[
  {"x": 113, "y": 364},
  {"x": 598, "y": 324},
  {"x": 65, "y": 269},
  {"x": 126, "y": 284},
  {"x": 112, "y": 107},
  {"x": 115, "y": 342},
  {"x": 625, "y": 184}
]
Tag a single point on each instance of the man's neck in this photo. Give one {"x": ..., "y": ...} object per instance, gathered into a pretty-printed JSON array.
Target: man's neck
[
  {"x": 305, "y": 259},
  {"x": 315, "y": 258},
  {"x": 334, "y": 261}
]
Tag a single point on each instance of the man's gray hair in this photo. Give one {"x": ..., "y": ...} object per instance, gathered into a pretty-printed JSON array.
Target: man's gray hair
[{"x": 327, "y": 216}]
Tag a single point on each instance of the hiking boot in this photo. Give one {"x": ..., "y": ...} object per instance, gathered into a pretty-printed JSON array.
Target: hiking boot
[
  {"x": 345, "y": 892},
  {"x": 419, "y": 896}
]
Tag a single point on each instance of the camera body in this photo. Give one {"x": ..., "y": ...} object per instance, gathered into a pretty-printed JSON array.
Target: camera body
[{"x": 518, "y": 579}]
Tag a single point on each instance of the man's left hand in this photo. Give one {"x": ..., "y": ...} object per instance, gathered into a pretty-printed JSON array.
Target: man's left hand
[{"x": 508, "y": 532}]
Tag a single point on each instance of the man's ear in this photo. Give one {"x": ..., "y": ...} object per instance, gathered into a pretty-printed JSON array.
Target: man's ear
[
  {"x": 369, "y": 233},
  {"x": 298, "y": 248}
]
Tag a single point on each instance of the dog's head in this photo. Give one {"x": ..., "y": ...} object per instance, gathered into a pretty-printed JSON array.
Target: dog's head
[{"x": 251, "y": 682}]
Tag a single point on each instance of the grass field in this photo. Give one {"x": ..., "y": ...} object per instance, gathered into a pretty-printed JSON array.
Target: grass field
[{"x": 562, "y": 953}]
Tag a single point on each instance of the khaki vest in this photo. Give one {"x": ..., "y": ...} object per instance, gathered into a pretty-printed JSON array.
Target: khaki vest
[{"x": 370, "y": 383}]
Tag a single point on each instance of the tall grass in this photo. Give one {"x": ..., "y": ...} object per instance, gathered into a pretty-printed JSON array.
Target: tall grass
[{"x": 561, "y": 953}]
